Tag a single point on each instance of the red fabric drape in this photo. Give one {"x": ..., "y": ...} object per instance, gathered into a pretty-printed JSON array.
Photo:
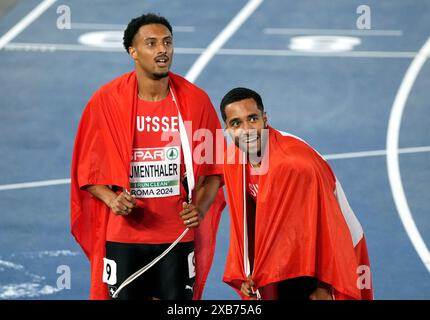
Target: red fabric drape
[{"x": 300, "y": 229}]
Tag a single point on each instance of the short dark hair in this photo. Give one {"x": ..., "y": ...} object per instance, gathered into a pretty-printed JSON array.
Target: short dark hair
[
  {"x": 238, "y": 94},
  {"x": 135, "y": 24}
]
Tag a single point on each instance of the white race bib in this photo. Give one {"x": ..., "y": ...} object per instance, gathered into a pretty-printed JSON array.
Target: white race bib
[
  {"x": 109, "y": 271},
  {"x": 155, "y": 172}
]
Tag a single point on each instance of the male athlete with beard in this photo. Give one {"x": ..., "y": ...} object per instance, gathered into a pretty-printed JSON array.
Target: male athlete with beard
[
  {"x": 293, "y": 235},
  {"x": 131, "y": 182}
]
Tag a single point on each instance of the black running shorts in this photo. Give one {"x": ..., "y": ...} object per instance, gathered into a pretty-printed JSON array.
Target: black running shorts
[{"x": 171, "y": 278}]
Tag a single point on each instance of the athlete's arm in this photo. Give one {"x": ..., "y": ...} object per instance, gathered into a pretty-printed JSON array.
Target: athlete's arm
[
  {"x": 206, "y": 191},
  {"x": 121, "y": 204}
]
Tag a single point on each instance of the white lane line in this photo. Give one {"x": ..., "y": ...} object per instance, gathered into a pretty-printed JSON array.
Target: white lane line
[
  {"x": 25, "y": 22},
  {"x": 393, "y": 167},
  {"x": 34, "y": 184},
  {"x": 292, "y": 53},
  {"x": 336, "y": 156},
  {"x": 106, "y": 26},
  {"x": 53, "y": 47},
  {"x": 373, "y": 153},
  {"x": 221, "y": 39},
  {"x": 351, "y": 155},
  {"x": 45, "y": 254},
  {"x": 337, "y": 32}
]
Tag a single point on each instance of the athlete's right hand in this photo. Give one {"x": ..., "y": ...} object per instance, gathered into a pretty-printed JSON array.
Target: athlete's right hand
[
  {"x": 122, "y": 204},
  {"x": 246, "y": 288}
]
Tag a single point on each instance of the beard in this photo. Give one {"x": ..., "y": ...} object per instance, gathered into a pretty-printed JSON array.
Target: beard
[
  {"x": 159, "y": 76},
  {"x": 253, "y": 148},
  {"x": 256, "y": 149}
]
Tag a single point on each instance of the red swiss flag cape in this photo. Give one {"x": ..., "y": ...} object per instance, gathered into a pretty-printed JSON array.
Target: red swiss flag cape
[
  {"x": 102, "y": 155},
  {"x": 304, "y": 225}
]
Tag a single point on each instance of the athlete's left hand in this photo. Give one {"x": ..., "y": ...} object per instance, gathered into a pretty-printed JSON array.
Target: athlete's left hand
[{"x": 191, "y": 215}]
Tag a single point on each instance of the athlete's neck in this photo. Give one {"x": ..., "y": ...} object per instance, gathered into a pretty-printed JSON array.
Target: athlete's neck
[{"x": 151, "y": 89}]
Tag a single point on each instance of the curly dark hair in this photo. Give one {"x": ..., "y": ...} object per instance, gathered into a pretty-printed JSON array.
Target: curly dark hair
[
  {"x": 134, "y": 25},
  {"x": 238, "y": 94}
]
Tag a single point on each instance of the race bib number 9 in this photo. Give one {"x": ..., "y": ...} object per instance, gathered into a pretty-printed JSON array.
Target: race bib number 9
[
  {"x": 109, "y": 271},
  {"x": 155, "y": 172}
]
